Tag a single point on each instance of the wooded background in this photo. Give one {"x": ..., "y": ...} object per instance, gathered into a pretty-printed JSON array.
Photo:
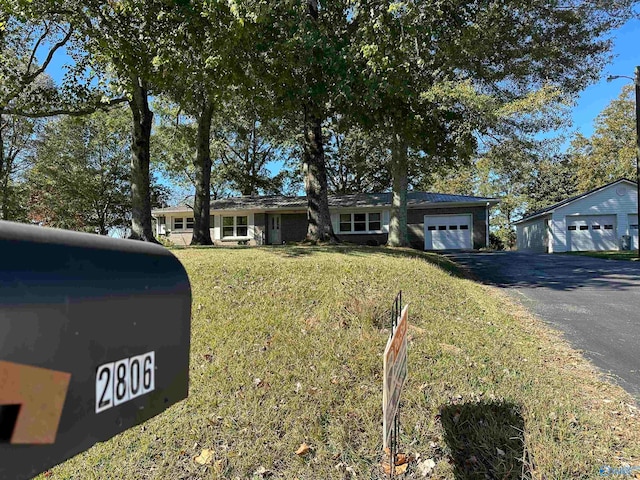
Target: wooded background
[{"x": 171, "y": 99}]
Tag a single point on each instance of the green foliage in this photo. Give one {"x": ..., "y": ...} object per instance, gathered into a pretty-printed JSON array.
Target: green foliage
[
  {"x": 80, "y": 174},
  {"x": 15, "y": 145},
  {"x": 610, "y": 152},
  {"x": 242, "y": 144},
  {"x": 357, "y": 159}
]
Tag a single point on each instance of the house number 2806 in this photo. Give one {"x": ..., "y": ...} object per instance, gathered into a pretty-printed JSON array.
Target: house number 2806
[{"x": 123, "y": 380}]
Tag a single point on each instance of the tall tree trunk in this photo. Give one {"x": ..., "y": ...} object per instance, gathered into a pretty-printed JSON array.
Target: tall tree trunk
[
  {"x": 141, "y": 228},
  {"x": 319, "y": 228},
  {"x": 202, "y": 164},
  {"x": 314, "y": 169},
  {"x": 399, "y": 170}
]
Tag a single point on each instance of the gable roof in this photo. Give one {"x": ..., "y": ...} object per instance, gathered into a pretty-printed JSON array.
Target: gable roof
[
  {"x": 354, "y": 200},
  {"x": 569, "y": 200}
]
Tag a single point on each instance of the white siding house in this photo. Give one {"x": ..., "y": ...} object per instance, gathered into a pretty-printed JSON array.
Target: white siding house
[{"x": 602, "y": 219}]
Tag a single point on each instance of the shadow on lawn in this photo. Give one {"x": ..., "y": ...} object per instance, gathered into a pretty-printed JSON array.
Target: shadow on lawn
[
  {"x": 486, "y": 440},
  {"x": 293, "y": 251}
]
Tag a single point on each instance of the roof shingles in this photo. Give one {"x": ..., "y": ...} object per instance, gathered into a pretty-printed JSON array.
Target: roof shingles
[{"x": 356, "y": 200}]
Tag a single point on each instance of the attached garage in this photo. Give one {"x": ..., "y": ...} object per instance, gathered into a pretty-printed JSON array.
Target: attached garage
[
  {"x": 448, "y": 232},
  {"x": 590, "y": 232}
]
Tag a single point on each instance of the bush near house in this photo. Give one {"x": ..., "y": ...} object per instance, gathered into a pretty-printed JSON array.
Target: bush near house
[{"x": 287, "y": 349}]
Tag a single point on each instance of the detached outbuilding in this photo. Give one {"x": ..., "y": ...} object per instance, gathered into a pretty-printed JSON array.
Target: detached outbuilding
[
  {"x": 435, "y": 221},
  {"x": 605, "y": 218}
]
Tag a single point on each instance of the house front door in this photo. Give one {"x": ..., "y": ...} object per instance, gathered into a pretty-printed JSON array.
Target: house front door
[{"x": 275, "y": 236}]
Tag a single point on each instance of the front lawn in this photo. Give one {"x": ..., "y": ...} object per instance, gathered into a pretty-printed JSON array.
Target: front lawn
[
  {"x": 631, "y": 255},
  {"x": 287, "y": 349}
]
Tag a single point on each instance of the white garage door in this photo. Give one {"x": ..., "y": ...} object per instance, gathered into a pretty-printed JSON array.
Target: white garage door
[
  {"x": 587, "y": 232},
  {"x": 447, "y": 232},
  {"x": 633, "y": 231}
]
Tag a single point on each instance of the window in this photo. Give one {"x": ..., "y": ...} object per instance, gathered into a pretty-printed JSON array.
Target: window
[
  {"x": 464, "y": 227},
  {"x": 211, "y": 221},
  {"x": 442, "y": 227},
  {"x": 431, "y": 227},
  {"x": 572, "y": 227},
  {"x": 585, "y": 227},
  {"x": 633, "y": 226},
  {"x": 241, "y": 226},
  {"x": 374, "y": 221},
  {"x": 360, "y": 222},
  {"x": 234, "y": 226},
  {"x": 178, "y": 224},
  {"x": 595, "y": 227},
  {"x": 190, "y": 222},
  {"x": 608, "y": 227},
  {"x": 453, "y": 227},
  {"x": 345, "y": 222}
]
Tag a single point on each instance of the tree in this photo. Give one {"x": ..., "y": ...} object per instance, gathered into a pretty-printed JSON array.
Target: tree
[
  {"x": 357, "y": 159},
  {"x": 438, "y": 79},
  {"x": 609, "y": 154},
  {"x": 459, "y": 180},
  {"x": 552, "y": 180},
  {"x": 80, "y": 177},
  {"x": 15, "y": 145},
  {"x": 303, "y": 55},
  {"x": 201, "y": 64},
  {"x": 248, "y": 138},
  {"x": 122, "y": 38}
]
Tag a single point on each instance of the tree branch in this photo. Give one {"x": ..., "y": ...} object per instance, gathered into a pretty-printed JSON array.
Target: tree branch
[{"x": 66, "y": 111}]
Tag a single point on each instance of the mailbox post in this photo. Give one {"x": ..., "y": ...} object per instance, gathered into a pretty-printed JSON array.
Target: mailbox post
[{"x": 94, "y": 339}]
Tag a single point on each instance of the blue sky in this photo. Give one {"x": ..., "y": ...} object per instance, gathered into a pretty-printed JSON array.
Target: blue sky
[{"x": 596, "y": 97}]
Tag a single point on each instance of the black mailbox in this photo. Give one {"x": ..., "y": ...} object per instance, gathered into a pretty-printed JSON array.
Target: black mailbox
[{"x": 94, "y": 339}]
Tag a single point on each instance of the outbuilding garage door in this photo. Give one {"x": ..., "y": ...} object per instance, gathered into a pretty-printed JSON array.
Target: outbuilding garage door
[
  {"x": 587, "y": 232},
  {"x": 447, "y": 232}
]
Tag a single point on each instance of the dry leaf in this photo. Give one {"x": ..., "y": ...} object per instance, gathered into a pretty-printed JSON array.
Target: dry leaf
[
  {"x": 399, "y": 470},
  {"x": 303, "y": 449},
  {"x": 261, "y": 472},
  {"x": 425, "y": 467},
  {"x": 401, "y": 459},
  {"x": 205, "y": 457}
]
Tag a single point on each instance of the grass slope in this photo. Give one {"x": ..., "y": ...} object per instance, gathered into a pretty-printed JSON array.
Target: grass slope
[
  {"x": 287, "y": 348},
  {"x": 631, "y": 255}
]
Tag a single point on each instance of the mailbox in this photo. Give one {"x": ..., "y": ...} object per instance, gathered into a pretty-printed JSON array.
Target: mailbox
[{"x": 94, "y": 339}]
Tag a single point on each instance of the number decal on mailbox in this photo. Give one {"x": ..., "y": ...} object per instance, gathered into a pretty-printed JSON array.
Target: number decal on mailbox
[{"x": 123, "y": 380}]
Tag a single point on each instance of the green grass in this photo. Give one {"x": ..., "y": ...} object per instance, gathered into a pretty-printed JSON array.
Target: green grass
[
  {"x": 287, "y": 348},
  {"x": 631, "y": 255}
]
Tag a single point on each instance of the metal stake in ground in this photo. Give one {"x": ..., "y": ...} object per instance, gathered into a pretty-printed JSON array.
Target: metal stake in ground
[{"x": 395, "y": 374}]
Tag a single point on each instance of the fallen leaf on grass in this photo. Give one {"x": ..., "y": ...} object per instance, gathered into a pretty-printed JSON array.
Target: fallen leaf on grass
[
  {"x": 303, "y": 449},
  {"x": 399, "y": 469},
  {"x": 500, "y": 452},
  {"x": 425, "y": 467},
  {"x": 205, "y": 457},
  {"x": 261, "y": 472},
  {"x": 344, "y": 468},
  {"x": 401, "y": 459}
]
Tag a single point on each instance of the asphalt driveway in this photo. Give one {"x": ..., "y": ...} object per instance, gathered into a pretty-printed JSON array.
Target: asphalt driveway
[{"x": 595, "y": 302}]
